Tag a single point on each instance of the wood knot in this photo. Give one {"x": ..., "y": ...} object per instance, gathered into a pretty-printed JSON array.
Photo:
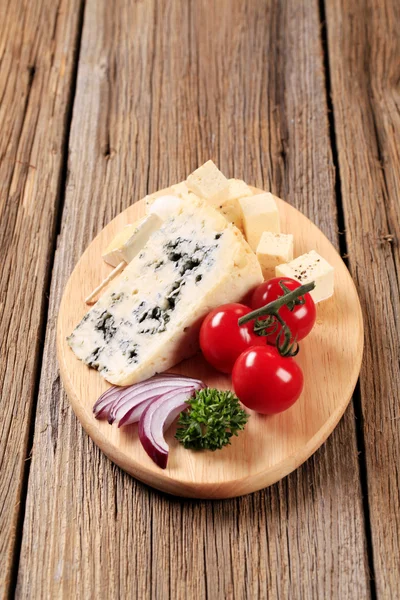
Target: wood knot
[
  {"x": 388, "y": 237},
  {"x": 108, "y": 152}
]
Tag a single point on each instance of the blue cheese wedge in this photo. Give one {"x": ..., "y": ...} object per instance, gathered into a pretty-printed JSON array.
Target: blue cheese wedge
[
  {"x": 310, "y": 267},
  {"x": 149, "y": 320}
]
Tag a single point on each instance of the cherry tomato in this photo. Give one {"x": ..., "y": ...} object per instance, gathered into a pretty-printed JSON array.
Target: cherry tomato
[
  {"x": 222, "y": 340},
  {"x": 265, "y": 381},
  {"x": 300, "y": 320}
]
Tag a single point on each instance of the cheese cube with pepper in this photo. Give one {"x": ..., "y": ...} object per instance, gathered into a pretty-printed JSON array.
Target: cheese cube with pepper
[
  {"x": 231, "y": 208},
  {"x": 310, "y": 267},
  {"x": 260, "y": 213},
  {"x": 273, "y": 250}
]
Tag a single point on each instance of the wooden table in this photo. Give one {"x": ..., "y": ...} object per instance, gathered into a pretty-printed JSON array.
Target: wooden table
[{"x": 102, "y": 102}]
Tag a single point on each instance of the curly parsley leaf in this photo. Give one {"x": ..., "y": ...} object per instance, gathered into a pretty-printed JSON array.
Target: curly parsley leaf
[{"x": 213, "y": 417}]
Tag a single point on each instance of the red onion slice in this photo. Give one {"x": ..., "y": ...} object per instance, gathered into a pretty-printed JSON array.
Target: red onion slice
[
  {"x": 128, "y": 400},
  {"x": 115, "y": 396},
  {"x": 156, "y": 419},
  {"x": 105, "y": 402},
  {"x": 133, "y": 414},
  {"x": 114, "y": 392}
]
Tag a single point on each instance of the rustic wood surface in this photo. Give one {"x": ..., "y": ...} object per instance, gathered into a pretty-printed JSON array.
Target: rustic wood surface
[
  {"x": 162, "y": 86},
  {"x": 365, "y": 84},
  {"x": 37, "y": 58}
]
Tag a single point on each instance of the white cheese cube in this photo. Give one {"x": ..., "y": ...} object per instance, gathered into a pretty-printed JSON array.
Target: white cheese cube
[
  {"x": 209, "y": 183},
  {"x": 149, "y": 319},
  {"x": 238, "y": 189},
  {"x": 273, "y": 250},
  {"x": 232, "y": 212},
  {"x": 231, "y": 208},
  {"x": 182, "y": 191},
  {"x": 310, "y": 267},
  {"x": 130, "y": 240},
  {"x": 260, "y": 213}
]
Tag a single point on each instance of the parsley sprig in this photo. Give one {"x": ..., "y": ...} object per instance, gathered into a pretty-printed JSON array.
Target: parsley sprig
[{"x": 213, "y": 417}]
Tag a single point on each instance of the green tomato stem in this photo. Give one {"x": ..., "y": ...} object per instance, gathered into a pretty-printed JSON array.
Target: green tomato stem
[
  {"x": 273, "y": 307},
  {"x": 262, "y": 326}
]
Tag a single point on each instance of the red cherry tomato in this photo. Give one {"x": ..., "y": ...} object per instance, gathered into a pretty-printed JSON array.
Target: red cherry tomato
[
  {"x": 300, "y": 320},
  {"x": 222, "y": 340},
  {"x": 265, "y": 381}
]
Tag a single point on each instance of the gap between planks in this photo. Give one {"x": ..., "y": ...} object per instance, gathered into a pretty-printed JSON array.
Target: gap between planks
[
  {"x": 343, "y": 249},
  {"x": 46, "y": 290}
]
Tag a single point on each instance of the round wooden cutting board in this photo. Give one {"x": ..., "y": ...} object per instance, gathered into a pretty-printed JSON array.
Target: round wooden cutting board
[{"x": 270, "y": 447}]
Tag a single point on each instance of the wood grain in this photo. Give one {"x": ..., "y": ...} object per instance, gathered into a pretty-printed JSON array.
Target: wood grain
[
  {"x": 365, "y": 85},
  {"x": 163, "y": 86},
  {"x": 268, "y": 449},
  {"x": 37, "y": 54}
]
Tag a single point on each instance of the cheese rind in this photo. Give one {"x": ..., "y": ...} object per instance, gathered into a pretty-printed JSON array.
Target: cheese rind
[
  {"x": 310, "y": 267},
  {"x": 149, "y": 320},
  {"x": 112, "y": 254},
  {"x": 130, "y": 240},
  {"x": 273, "y": 250},
  {"x": 260, "y": 213},
  {"x": 209, "y": 183}
]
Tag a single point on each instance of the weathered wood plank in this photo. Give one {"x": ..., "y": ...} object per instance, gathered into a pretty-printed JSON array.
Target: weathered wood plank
[
  {"x": 37, "y": 54},
  {"x": 364, "y": 51},
  {"x": 163, "y": 86}
]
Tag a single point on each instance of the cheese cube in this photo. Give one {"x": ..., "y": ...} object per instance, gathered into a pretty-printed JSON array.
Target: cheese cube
[
  {"x": 182, "y": 191},
  {"x": 231, "y": 208},
  {"x": 260, "y": 213},
  {"x": 128, "y": 242},
  {"x": 310, "y": 267},
  {"x": 273, "y": 250},
  {"x": 232, "y": 213},
  {"x": 209, "y": 183},
  {"x": 238, "y": 189}
]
